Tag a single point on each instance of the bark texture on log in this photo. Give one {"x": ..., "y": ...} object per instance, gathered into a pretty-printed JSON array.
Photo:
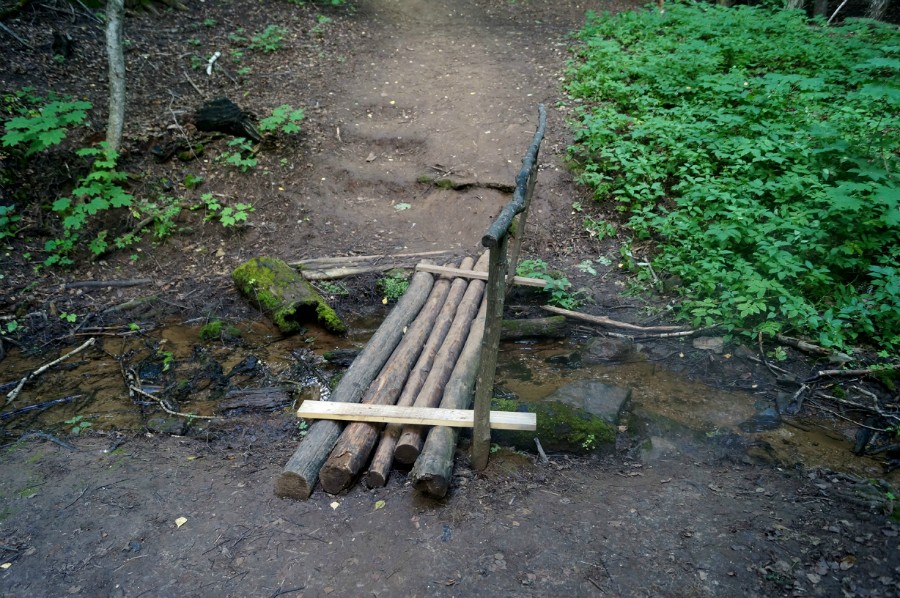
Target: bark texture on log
[
  {"x": 384, "y": 455},
  {"x": 434, "y": 467},
  {"x": 302, "y": 469},
  {"x": 253, "y": 399},
  {"x": 410, "y": 442},
  {"x": 552, "y": 327},
  {"x": 356, "y": 442}
]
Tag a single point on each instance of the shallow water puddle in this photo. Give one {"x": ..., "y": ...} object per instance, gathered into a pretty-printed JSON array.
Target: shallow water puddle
[
  {"x": 194, "y": 376},
  {"x": 677, "y": 414},
  {"x": 174, "y": 364}
]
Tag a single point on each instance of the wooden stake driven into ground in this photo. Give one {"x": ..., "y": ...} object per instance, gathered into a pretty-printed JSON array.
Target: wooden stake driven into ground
[
  {"x": 384, "y": 455},
  {"x": 356, "y": 442},
  {"x": 302, "y": 469},
  {"x": 410, "y": 442}
]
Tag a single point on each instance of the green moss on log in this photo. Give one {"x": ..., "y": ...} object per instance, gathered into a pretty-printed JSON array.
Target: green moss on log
[{"x": 285, "y": 295}]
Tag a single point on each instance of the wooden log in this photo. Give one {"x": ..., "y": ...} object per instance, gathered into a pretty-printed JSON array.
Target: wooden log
[
  {"x": 552, "y": 327},
  {"x": 253, "y": 399},
  {"x": 302, "y": 469},
  {"x": 355, "y": 444},
  {"x": 423, "y": 416},
  {"x": 384, "y": 455},
  {"x": 410, "y": 442},
  {"x": 285, "y": 295},
  {"x": 520, "y": 280},
  {"x": 329, "y": 268},
  {"x": 433, "y": 470}
]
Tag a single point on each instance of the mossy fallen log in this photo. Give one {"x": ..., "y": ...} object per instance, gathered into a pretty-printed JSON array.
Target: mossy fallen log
[{"x": 284, "y": 295}]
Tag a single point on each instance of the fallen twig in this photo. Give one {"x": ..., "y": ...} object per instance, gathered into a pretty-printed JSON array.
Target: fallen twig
[
  {"x": 162, "y": 405},
  {"x": 38, "y": 407},
  {"x": 15, "y": 37},
  {"x": 85, "y": 284},
  {"x": 540, "y": 449},
  {"x": 852, "y": 373},
  {"x": 604, "y": 321},
  {"x": 50, "y": 437},
  {"x": 15, "y": 392},
  {"x": 807, "y": 347}
]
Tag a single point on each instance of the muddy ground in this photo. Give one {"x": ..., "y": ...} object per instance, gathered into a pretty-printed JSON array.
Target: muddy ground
[{"x": 393, "y": 90}]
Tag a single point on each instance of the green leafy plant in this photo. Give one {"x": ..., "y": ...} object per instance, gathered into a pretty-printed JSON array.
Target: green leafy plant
[
  {"x": 284, "y": 118},
  {"x": 210, "y": 22},
  {"x": 40, "y": 128},
  {"x": 97, "y": 192},
  {"x": 321, "y": 22},
  {"x": 557, "y": 285},
  {"x": 393, "y": 285},
  {"x": 759, "y": 155},
  {"x": 192, "y": 181},
  {"x": 241, "y": 156},
  {"x": 78, "y": 423},
  {"x": 268, "y": 40},
  {"x": 598, "y": 229},
  {"x": 8, "y": 220},
  {"x": 226, "y": 215},
  {"x": 334, "y": 288},
  {"x": 67, "y": 317},
  {"x": 168, "y": 358}
]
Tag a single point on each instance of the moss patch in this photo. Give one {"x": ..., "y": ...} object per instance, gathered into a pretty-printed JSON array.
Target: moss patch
[
  {"x": 560, "y": 427},
  {"x": 287, "y": 297}
]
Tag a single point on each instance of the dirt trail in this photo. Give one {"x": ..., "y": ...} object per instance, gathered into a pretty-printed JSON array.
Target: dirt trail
[
  {"x": 452, "y": 85},
  {"x": 440, "y": 90}
]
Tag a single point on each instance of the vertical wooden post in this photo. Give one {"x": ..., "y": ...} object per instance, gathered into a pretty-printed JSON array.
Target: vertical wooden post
[
  {"x": 518, "y": 228},
  {"x": 484, "y": 389}
]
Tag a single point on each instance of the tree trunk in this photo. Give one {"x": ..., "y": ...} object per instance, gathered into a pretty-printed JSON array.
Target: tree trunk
[
  {"x": 300, "y": 473},
  {"x": 410, "y": 442},
  {"x": 115, "y": 10},
  {"x": 355, "y": 444},
  {"x": 434, "y": 467},
  {"x": 384, "y": 455}
]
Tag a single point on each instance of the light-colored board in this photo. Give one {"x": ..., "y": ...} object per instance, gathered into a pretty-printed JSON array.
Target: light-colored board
[
  {"x": 421, "y": 416},
  {"x": 446, "y": 270}
]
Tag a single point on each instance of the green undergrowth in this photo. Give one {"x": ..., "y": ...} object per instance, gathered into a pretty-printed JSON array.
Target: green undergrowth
[{"x": 758, "y": 153}]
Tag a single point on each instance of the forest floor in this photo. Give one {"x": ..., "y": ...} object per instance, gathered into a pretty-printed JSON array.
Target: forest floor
[{"x": 393, "y": 90}]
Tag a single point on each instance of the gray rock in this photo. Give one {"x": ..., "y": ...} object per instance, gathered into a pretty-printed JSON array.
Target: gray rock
[
  {"x": 716, "y": 344},
  {"x": 603, "y": 349},
  {"x": 595, "y": 397}
]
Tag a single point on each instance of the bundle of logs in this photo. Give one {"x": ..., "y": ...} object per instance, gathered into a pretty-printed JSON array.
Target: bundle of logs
[{"x": 425, "y": 354}]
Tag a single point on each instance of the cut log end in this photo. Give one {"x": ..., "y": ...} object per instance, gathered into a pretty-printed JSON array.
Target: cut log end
[
  {"x": 336, "y": 475},
  {"x": 291, "y": 485},
  {"x": 409, "y": 446}
]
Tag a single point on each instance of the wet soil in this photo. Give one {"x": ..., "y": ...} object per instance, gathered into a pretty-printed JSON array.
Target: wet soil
[{"x": 394, "y": 90}]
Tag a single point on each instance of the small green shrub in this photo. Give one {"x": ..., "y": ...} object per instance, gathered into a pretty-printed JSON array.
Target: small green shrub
[
  {"x": 241, "y": 156},
  {"x": 557, "y": 285},
  {"x": 226, "y": 215},
  {"x": 39, "y": 128},
  {"x": 393, "y": 285},
  {"x": 268, "y": 40},
  {"x": 285, "y": 118},
  {"x": 96, "y": 193}
]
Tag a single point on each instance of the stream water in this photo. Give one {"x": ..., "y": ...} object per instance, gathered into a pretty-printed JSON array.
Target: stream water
[{"x": 667, "y": 410}]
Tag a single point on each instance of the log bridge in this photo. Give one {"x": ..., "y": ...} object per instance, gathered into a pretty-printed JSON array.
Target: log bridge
[{"x": 411, "y": 388}]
